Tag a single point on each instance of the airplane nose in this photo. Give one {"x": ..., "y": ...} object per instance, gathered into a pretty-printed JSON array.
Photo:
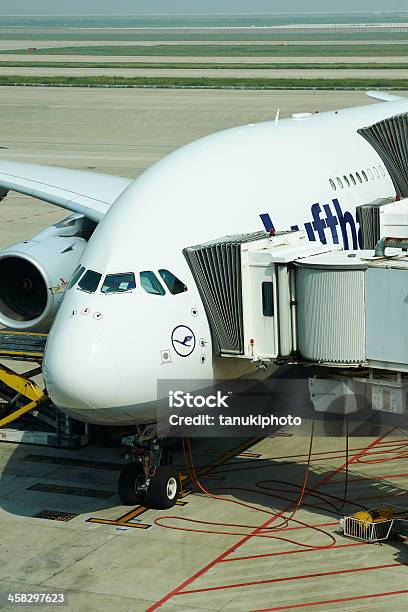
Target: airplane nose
[{"x": 81, "y": 373}]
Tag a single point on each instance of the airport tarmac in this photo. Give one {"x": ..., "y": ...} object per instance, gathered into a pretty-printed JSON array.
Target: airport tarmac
[
  {"x": 45, "y": 44},
  {"x": 62, "y": 525},
  {"x": 192, "y": 59},
  {"x": 311, "y": 74},
  {"x": 64, "y": 530}
]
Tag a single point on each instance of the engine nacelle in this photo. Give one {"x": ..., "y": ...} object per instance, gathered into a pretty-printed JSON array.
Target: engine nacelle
[{"x": 34, "y": 273}]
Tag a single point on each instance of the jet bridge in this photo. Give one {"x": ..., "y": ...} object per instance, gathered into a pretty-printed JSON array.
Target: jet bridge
[
  {"x": 247, "y": 284},
  {"x": 390, "y": 139},
  {"x": 282, "y": 299}
]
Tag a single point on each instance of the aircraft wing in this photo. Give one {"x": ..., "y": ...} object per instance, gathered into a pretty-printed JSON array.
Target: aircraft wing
[
  {"x": 88, "y": 193},
  {"x": 384, "y": 96}
]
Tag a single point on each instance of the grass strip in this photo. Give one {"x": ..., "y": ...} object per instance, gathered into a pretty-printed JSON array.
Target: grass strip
[
  {"x": 230, "y": 50},
  {"x": 219, "y": 83}
]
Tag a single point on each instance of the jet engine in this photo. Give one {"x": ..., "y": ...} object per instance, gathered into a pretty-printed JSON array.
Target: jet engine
[{"x": 35, "y": 273}]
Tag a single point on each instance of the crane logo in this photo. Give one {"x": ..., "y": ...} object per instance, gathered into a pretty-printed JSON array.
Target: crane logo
[{"x": 183, "y": 340}]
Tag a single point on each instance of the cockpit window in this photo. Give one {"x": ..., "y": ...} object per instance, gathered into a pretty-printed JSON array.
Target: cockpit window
[
  {"x": 90, "y": 281},
  {"x": 151, "y": 283},
  {"x": 117, "y": 283},
  {"x": 174, "y": 285},
  {"x": 79, "y": 270}
]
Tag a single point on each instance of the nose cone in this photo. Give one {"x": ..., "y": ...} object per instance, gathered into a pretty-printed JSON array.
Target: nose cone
[{"x": 81, "y": 373}]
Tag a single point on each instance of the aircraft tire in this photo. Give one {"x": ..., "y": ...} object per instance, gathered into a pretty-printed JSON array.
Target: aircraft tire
[
  {"x": 164, "y": 488},
  {"x": 129, "y": 475}
]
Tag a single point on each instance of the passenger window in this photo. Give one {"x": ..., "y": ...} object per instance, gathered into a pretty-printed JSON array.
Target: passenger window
[
  {"x": 333, "y": 184},
  {"x": 370, "y": 174},
  {"x": 151, "y": 283},
  {"x": 346, "y": 180},
  {"x": 360, "y": 180},
  {"x": 364, "y": 176},
  {"x": 79, "y": 270},
  {"x": 377, "y": 174},
  {"x": 174, "y": 285},
  {"x": 340, "y": 184},
  {"x": 353, "y": 180},
  {"x": 119, "y": 283},
  {"x": 90, "y": 281},
  {"x": 267, "y": 299},
  {"x": 382, "y": 171}
]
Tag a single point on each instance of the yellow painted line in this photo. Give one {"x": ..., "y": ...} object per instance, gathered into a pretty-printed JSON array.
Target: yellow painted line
[
  {"x": 131, "y": 515},
  {"x": 20, "y": 353},
  {"x": 181, "y": 503},
  {"x": 224, "y": 457},
  {"x": 227, "y": 455},
  {"x": 123, "y": 521},
  {"x": 115, "y": 523},
  {"x": 18, "y": 413},
  {"x": 17, "y": 333}
]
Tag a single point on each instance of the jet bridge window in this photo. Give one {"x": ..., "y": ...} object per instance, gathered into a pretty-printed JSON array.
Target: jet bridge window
[
  {"x": 174, "y": 285},
  {"x": 267, "y": 299},
  {"x": 90, "y": 281},
  {"x": 119, "y": 283},
  {"x": 79, "y": 270},
  {"x": 151, "y": 283}
]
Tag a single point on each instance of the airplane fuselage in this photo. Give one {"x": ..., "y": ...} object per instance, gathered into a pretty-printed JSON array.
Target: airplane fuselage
[{"x": 106, "y": 351}]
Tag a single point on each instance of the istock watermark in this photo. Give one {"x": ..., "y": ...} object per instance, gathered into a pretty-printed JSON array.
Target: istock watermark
[
  {"x": 180, "y": 399},
  {"x": 222, "y": 408},
  {"x": 260, "y": 408},
  {"x": 222, "y": 420}
]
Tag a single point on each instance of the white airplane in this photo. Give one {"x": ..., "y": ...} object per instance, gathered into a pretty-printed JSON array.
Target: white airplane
[{"x": 131, "y": 313}]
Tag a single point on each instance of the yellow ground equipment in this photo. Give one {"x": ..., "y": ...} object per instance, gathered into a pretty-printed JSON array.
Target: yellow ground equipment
[
  {"x": 26, "y": 413},
  {"x": 23, "y": 346},
  {"x": 375, "y": 525},
  {"x": 24, "y": 388}
]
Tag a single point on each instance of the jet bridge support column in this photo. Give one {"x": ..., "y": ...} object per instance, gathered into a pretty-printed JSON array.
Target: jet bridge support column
[{"x": 285, "y": 315}]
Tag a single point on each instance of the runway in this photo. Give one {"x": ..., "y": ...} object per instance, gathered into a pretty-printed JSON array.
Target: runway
[
  {"x": 177, "y": 59},
  {"x": 49, "y": 42},
  {"x": 311, "y": 74}
]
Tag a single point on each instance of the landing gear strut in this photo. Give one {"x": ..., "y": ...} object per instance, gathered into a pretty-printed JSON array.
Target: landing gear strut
[{"x": 149, "y": 479}]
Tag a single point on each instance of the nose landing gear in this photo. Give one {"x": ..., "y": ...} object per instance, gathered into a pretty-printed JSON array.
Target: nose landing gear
[{"x": 150, "y": 479}]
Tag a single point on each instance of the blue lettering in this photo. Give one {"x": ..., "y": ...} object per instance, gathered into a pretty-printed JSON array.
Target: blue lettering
[
  {"x": 318, "y": 224},
  {"x": 331, "y": 223},
  {"x": 344, "y": 220},
  {"x": 310, "y": 232}
]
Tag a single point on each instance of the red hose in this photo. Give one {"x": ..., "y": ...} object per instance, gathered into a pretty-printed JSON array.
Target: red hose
[{"x": 264, "y": 532}]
